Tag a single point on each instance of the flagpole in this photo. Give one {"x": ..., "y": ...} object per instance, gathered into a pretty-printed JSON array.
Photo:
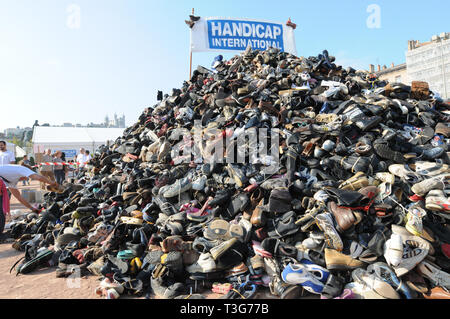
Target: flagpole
[{"x": 190, "y": 51}]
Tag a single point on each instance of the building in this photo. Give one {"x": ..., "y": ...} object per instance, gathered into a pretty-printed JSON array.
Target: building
[
  {"x": 70, "y": 139},
  {"x": 427, "y": 61},
  {"x": 430, "y": 62},
  {"x": 395, "y": 73}
]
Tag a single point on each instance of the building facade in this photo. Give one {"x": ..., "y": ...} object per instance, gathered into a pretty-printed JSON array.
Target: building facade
[
  {"x": 430, "y": 62},
  {"x": 427, "y": 61}
]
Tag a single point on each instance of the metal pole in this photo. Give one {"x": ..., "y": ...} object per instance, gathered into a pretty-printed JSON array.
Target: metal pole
[{"x": 190, "y": 49}]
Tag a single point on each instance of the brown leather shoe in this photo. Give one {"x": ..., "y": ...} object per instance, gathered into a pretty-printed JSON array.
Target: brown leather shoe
[
  {"x": 175, "y": 243},
  {"x": 344, "y": 217},
  {"x": 258, "y": 217},
  {"x": 442, "y": 129},
  {"x": 237, "y": 270},
  {"x": 255, "y": 199},
  {"x": 339, "y": 261},
  {"x": 437, "y": 293}
]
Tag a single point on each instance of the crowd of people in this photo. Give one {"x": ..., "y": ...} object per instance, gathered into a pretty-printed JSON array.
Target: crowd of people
[{"x": 53, "y": 175}]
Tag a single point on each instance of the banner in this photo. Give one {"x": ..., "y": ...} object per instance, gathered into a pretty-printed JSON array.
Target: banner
[{"x": 224, "y": 34}]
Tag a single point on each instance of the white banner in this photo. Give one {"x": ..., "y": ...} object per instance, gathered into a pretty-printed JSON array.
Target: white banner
[{"x": 226, "y": 34}]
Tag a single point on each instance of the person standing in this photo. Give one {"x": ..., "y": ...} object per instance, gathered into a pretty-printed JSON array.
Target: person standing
[
  {"x": 88, "y": 156},
  {"x": 81, "y": 161},
  {"x": 10, "y": 175},
  {"x": 65, "y": 167},
  {"x": 6, "y": 157},
  {"x": 27, "y": 163},
  {"x": 58, "y": 170},
  {"x": 47, "y": 170}
]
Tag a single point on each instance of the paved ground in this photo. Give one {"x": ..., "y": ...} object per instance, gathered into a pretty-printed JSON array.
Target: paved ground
[{"x": 42, "y": 283}]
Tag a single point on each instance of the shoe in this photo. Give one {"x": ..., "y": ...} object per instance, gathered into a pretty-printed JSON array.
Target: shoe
[
  {"x": 405, "y": 173},
  {"x": 393, "y": 250},
  {"x": 339, "y": 261},
  {"x": 282, "y": 226},
  {"x": 385, "y": 152},
  {"x": 325, "y": 223},
  {"x": 312, "y": 279},
  {"x": 385, "y": 273},
  {"x": 356, "y": 182},
  {"x": 434, "y": 274},
  {"x": 437, "y": 201},
  {"x": 430, "y": 169},
  {"x": 166, "y": 288},
  {"x": 220, "y": 249},
  {"x": 237, "y": 174},
  {"x": 438, "y": 182},
  {"x": 284, "y": 290},
  {"x": 204, "y": 264},
  {"x": 415, "y": 250},
  {"x": 442, "y": 129},
  {"x": 414, "y": 221},
  {"x": 180, "y": 186},
  {"x": 374, "y": 287},
  {"x": 344, "y": 217},
  {"x": 175, "y": 243},
  {"x": 437, "y": 293}
]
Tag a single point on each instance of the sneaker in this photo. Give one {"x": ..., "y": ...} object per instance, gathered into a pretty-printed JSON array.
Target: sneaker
[
  {"x": 434, "y": 274},
  {"x": 415, "y": 250},
  {"x": 430, "y": 169},
  {"x": 405, "y": 173},
  {"x": 437, "y": 201},
  {"x": 204, "y": 264},
  {"x": 199, "y": 182},
  {"x": 311, "y": 277},
  {"x": 438, "y": 182},
  {"x": 180, "y": 186},
  {"x": 220, "y": 249},
  {"x": 325, "y": 223},
  {"x": 414, "y": 221},
  {"x": 393, "y": 250}
]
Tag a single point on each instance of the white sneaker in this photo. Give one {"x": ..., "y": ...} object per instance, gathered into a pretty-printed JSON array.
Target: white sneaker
[
  {"x": 393, "y": 250},
  {"x": 416, "y": 249},
  {"x": 437, "y": 182},
  {"x": 437, "y": 201},
  {"x": 405, "y": 173},
  {"x": 199, "y": 183},
  {"x": 204, "y": 264},
  {"x": 430, "y": 169}
]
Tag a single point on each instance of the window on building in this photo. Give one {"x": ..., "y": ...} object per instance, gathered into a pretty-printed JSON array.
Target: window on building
[{"x": 398, "y": 79}]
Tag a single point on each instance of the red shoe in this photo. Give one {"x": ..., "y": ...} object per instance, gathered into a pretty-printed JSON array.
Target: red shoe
[
  {"x": 416, "y": 198},
  {"x": 445, "y": 248}
]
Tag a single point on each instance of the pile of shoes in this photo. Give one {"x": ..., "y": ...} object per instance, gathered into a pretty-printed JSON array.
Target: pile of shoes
[{"x": 357, "y": 206}]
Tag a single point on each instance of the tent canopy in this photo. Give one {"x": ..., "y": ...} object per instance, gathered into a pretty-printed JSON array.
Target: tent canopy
[{"x": 72, "y": 138}]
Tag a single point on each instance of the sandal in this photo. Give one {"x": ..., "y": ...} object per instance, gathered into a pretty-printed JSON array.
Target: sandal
[{"x": 222, "y": 289}]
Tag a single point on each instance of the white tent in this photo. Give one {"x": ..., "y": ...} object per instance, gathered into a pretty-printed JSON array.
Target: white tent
[
  {"x": 11, "y": 147},
  {"x": 70, "y": 139}
]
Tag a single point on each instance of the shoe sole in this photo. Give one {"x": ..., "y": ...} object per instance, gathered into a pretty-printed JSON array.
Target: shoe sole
[
  {"x": 330, "y": 232},
  {"x": 216, "y": 253}
]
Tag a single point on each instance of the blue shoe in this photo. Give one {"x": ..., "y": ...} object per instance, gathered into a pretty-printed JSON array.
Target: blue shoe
[
  {"x": 311, "y": 277},
  {"x": 385, "y": 273}
]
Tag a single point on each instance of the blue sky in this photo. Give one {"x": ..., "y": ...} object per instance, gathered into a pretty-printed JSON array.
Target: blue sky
[{"x": 126, "y": 50}]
